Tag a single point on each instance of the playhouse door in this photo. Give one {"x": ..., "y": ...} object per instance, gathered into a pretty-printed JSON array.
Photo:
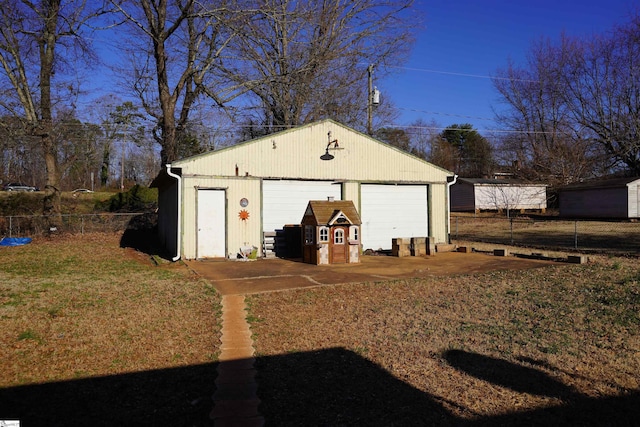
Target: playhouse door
[{"x": 339, "y": 246}]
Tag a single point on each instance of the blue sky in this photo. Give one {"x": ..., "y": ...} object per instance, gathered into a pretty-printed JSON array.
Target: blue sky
[{"x": 462, "y": 38}]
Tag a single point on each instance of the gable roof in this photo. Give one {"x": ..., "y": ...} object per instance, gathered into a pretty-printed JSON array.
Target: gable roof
[
  {"x": 324, "y": 211},
  {"x": 504, "y": 182},
  {"x": 299, "y": 153},
  {"x": 297, "y": 129},
  {"x": 600, "y": 184}
]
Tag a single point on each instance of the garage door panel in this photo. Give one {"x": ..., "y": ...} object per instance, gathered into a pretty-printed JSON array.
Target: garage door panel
[
  {"x": 284, "y": 201},
  {"x": 390, "y": 211}
]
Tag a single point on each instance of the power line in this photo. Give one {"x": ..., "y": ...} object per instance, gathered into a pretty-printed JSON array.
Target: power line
[
  {"x": 495, "y": 131},
  {"x": 444, "y": 114},
  {"x": 454, "y": 73}
]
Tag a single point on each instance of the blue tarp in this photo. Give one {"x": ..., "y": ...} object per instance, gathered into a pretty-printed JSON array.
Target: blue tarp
[{"x": 15, "y": 241}]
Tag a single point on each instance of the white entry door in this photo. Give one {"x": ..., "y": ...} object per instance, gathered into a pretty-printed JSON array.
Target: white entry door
[{"x": 211, "y": 224}]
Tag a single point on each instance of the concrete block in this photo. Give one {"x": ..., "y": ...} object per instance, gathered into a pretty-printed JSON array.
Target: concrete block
[
  {"x": 400, "y": 252},
  {"x": 577, "y": 259},
  {"x": 445, "y": 247},
  {"x": 431, "y": 246},
  {"x": 418, "y": 246},
  {"x": 401, "y": 241}
]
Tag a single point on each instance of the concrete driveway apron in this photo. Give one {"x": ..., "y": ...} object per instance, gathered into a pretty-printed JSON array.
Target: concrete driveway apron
[{"x": 269, "y": 275}]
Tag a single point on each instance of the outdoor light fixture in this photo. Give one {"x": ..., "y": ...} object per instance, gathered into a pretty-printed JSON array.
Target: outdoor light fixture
[{"x": 326, "y": 155}]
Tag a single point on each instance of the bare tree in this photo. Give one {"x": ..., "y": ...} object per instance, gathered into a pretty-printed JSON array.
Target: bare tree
[
  {"x": 307, "y": 60},
  {"x": 36, "y": 38},
  {"x": 603, "y": 91},
  {"x": 424, "y": 137},
  {"x": 574, "y": 109},
  {"x": 180, "y": 42},
  {"x": 544, "y": 145},
  {"x": 290, "y": 61},
  {"x": 76, "y": 149},
  {"x": 20, "y": 154}
]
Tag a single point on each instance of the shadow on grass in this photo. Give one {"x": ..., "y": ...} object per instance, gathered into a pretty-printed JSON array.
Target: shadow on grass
[
  {"x": 141, "y": 234},
  {"x": 340, "y": 387},
  {"x": 519, "y": 378},
  {"x": 176, "y": 397},
  {"x": 319, "y": 388}
]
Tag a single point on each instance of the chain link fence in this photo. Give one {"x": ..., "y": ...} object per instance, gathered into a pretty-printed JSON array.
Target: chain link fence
[
  {"x": 38, "y": 225},
  {"x": 617, "y": 237}
]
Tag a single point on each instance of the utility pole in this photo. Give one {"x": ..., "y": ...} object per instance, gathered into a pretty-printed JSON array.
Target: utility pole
[
  {"x": 369, "y": 99},
  {"x": 122, "y": 166}
]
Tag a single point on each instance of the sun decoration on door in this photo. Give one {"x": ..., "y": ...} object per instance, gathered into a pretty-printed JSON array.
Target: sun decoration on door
[{"x": 244, "y": 215}]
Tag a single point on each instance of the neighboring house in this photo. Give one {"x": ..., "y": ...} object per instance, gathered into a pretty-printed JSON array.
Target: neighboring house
[
  {"x": 477, "y": 194},
  {"x": 331, "y": 232},
  {"x": 215, "y": 203},
  {"x": 604, "y": 198}
]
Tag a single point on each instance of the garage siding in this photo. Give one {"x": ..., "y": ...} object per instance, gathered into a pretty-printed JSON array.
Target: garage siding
[
  {"x": 295, "y": 154},
  {"x": 463, "y": 197},
  {"x": 239, "y": 232},
  {"x": 595, "y": 203}
]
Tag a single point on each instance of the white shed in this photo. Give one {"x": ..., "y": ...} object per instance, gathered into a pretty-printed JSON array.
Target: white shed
[
  {"x": 603, "y": 198},
  {"x": 215, "y": 203},
  {"x": 476, "y": 194}
]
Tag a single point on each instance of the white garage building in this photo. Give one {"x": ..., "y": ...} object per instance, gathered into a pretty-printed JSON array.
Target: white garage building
[
  {"x": 213, "y": 204},
  {"x": 476, "y": 194}
]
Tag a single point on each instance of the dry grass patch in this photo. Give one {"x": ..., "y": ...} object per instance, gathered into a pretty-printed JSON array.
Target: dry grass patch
[
  {"x": 542, "y": 346},
  {"x": 620, "y": 237},
  {"x": 80, "y": 306}
]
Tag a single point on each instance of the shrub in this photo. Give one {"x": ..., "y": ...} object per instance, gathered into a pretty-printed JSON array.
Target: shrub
[
  {"x": 19, "y": 203},
  {"x": 137, "y": 199}
]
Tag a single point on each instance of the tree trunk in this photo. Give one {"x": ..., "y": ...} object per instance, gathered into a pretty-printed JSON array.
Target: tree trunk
[
  {"x": 47, "y": 45},
  {"x": 51, "y": 201}
]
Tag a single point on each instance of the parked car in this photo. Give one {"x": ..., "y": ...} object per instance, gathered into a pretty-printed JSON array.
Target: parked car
[
  {"x": 16, "y": 186},
  {"x": 82, "y": 190}
]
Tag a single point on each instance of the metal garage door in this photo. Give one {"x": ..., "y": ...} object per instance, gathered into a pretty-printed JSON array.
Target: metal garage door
[
  {"x": 284, "y": 202},
  {"x": 389, "y": 211},
  {"x": 211, "y": 224}
]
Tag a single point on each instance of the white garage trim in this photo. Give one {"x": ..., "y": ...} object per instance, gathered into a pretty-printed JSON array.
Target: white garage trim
[
  {"x": 211, "y": 223},
  {"x": 284, "y": 201},
  {"x": 390, "y": 211}
]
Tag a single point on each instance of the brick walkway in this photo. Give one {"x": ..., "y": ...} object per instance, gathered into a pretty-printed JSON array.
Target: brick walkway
[{"x": 235, "y": 400}]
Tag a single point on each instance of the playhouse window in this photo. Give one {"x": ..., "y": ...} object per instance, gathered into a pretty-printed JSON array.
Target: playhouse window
[
  {"x": 308, "y": 235},
  {"x": 338, "y": 236},
  {"x": 324, "y": 234},
  {"x": 354, "y": 233}
]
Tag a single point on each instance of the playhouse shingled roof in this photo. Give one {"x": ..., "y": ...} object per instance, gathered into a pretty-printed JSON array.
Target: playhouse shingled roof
[{"x": 323, "y": 211}]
